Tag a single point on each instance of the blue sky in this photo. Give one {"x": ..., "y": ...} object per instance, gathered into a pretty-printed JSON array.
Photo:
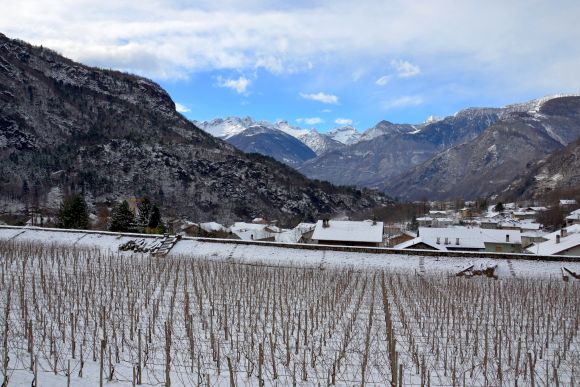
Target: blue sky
[{"x": 320, "y": 63}]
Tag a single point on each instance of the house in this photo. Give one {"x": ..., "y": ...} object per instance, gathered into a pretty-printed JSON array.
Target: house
[
  {"x": 437, "y": 214},
  {"x": 255, "y": 231},
  {"x": 302, "y": 233},
  {"x": 573, "y": 218},
  {"x": 567, "y": 203},
  {"x": 537, "y": 209},
  {"x": 466, "y": 213},
  {"x": 472, "y": 239},
  {"x": 419, "y": 243},
  {"x": 348, "y": 233},
  {"x": 437, "y": 221},
  {"x": 425, "y": 221},
  {"x": 489, "y": 224},
  {"x": 401, "y": 237},
  {"x": 530, "y": 237},
  {"x": 524, "y": 214},
  {"x": 562, "y": 242}
]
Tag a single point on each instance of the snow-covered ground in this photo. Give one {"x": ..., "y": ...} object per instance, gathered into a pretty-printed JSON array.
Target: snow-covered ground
[
  {"x": 218, "y": 313},
  {"x": 274, "y": 255}
]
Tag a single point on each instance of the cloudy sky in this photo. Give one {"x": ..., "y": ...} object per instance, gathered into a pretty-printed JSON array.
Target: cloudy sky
[{"x": 319, "y": 63}]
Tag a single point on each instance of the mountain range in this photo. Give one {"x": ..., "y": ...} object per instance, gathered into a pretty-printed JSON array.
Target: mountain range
[
  {"x": 475, "y": 152},
  {"x": 66, "y": 127}
]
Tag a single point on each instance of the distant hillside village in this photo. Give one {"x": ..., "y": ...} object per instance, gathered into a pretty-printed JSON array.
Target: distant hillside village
[{"x": 504, "y": 228}]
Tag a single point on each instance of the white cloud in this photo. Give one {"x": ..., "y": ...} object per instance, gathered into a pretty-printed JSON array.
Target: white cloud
[
  {"x": 326, "y": 111},
  {"x": 343, "y": 121},
  {"x": 382, "y": 81},
  {"x": 405, "y": 69},
  {"x": 181, "y": 108},
  {"x": 310, "y": 121},
  {"x": 321, "y": 97},
  {"x": 404, "y": 101},
  {"x": 507, "y": 43},
  {"x": 402, "y": 69},
  {"x": 240, "y": 85}
]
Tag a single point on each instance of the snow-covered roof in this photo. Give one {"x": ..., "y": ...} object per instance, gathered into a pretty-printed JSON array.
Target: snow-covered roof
[
  {"x": 534, "y": 233},
  {"x": 249, "y": 231},
  {"x": 443, "y": 220},
  {"x": 212, "y": 226},
  {"x": 349, "y": 231},
  {"x": 552, "y": 247},
  {"x": 294, "y": 235},
  {"x": 530, "y": 226},
  {"x": 567, "y": 202},
  {"x": 416, "y": 241},
  {"x": 574, "y": 229},
  {"x": 474, "y": 238},
  {"x": 574, "y": 215}
]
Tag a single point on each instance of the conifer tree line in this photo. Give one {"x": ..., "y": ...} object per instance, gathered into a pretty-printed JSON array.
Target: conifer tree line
[{"x": 74, "y": 214}]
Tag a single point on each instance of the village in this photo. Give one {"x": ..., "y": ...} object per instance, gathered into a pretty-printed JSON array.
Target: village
[{"x": 513, "y": 229}]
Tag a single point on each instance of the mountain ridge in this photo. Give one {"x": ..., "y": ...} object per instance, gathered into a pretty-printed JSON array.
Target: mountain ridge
[
  {"x": 66, "y": 127},
  {"x": 489, "y": 163}
]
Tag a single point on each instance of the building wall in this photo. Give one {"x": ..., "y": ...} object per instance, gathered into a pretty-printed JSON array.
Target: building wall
[
  {"x": 421, "y": 246},
  {"x": 399, "y": 239},
  {"x": 502, "y": 247},
  {"x": 573, "y": 251}
]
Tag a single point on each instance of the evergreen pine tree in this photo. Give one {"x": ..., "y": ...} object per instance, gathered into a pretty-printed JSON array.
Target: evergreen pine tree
[
  {"x": 73, "y": 213},
  {"x": 122, "y": 218},
  {"x": 499, "y": 207},
  {"x": 155, "y": 224}
]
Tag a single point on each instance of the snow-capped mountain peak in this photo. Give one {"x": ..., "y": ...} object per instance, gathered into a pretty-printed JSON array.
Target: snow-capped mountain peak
[
  {"x": 533, "y": 106},
  {"x": 432, "y": 119},
  {"x": 345, "y": 134},
  {"x": 294, "y": 131},
  {"x": 226, "y": 127}
]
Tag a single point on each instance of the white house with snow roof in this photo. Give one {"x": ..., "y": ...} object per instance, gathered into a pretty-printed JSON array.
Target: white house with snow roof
[
  {"x": 466, "y": 239},
  {"x": 348, "y": 233},
  {"x": 573, "y": 218},
  {"x": 562, "y": 242}
]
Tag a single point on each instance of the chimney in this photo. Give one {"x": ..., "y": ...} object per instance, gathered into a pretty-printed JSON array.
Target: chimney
[
  {"x": 457, "y": 241},
  {"x": 325, "y": 223},
  {"x": 446, "y": 240},
  {"x": 438, "y": 240},
  {"x": 557, "y": 238},
  {"x": 507, "y": 238},
  {"x": 563, "y": 232}
]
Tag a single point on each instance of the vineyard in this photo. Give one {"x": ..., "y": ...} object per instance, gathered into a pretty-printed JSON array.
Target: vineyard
[{"x": 83, "y": 316}]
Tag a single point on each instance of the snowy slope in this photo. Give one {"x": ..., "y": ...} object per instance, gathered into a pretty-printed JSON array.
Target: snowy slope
[
  {"x": 345, "y": 134},
  {"x": 227, "y": 128}
]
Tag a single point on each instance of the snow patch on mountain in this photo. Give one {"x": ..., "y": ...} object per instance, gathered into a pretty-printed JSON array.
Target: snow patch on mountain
[
  {"x": 533, "y": 106},
  {"x": 345, "y": 134}
]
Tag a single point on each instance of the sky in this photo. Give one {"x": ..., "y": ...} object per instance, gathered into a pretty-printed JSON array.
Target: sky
[{"x": 319, "y": 63}]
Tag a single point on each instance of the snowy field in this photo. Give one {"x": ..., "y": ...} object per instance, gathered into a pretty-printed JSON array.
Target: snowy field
[
  {"x": 223, "y": 314},
  {"x": 270, "y": 255}
]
